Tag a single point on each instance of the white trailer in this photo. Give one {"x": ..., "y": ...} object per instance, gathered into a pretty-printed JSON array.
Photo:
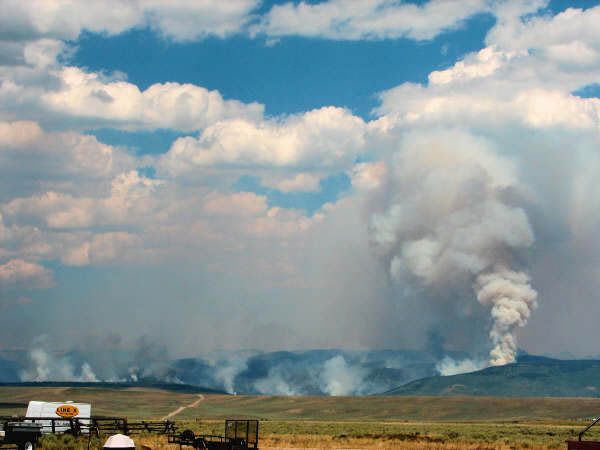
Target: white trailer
[{"x": 41, "y": 412}]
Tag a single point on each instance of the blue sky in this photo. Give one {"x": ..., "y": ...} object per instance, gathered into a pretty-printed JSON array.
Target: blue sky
[
  {"x": 292, "y": 163},
  {"x": 289, "y": 76}
]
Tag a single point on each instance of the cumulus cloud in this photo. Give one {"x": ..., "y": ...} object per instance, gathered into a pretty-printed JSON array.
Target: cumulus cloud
[
  {"x": 168, "y": 105},
  {"x": 525, "y": 75},
  {"x": 300, "y": 182},
  {"x": 368, "y": 175},
  {"x": 237, "y": 204},
  {"x": 25, "y": 274},
  {"x": 180, "y": 20},
  {"x": 130, "y": 197},
  {"x": 481, "y": 178},
  {"x": 18, "y": 134},
  {"x": 380, "y": 19},
  {"x": 321, "y": 138},
  {"x": 376, "y": 19},
  {"x": 77, "y": 98},
  {"x": 90, "y": 206},
  {"x": 66, "y": 161}
]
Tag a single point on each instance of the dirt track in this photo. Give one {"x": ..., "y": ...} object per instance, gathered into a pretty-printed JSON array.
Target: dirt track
[{"x": 182, "y": 408}]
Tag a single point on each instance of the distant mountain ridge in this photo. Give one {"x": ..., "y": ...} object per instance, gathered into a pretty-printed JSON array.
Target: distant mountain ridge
[
  {"x": 324, "y": 372},
  {"x": 530, "y": 376},
  {"x": 174, "y": 387}
]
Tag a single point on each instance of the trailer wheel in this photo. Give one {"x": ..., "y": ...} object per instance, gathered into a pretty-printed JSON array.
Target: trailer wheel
[
  {"x": 27, "y": 446},
  {"x": 188, "y": 435}
]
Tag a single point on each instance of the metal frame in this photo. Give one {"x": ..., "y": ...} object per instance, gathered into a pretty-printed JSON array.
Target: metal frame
[
  {"x": 580, "y": 444},
  {"x": 96, "y": 425},
  {"x": 19, "y": 433},
  {"x": 244, "y": 437}
]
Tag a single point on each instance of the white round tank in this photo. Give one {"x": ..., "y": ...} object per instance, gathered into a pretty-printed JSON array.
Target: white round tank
[{"x": 119, "y": 441}]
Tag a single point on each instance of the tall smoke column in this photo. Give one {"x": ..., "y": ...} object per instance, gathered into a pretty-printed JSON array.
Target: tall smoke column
[
  {"x": 512, "y": 299},
  {"x": 447, "y": 217}
]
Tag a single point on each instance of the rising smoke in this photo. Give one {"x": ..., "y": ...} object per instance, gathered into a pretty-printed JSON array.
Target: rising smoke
[
  {"x": 43, "y": 365},
  {"x": 147, "y": 361},
  {"x": 512, "y": 299},
  {"x": 448, "y": 216},
  {"x": 314, "y": 372}
]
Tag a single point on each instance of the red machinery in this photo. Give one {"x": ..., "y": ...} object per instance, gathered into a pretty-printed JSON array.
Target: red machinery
[{"x": 580, "y": 444}]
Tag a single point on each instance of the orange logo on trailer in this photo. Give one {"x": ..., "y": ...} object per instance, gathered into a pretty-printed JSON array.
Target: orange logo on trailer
[{"x": 67, "y": 411}]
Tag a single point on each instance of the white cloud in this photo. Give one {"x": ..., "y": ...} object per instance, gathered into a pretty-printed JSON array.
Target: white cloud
[
  {"x": 196, "y": 19},
  {"x": 80, "y": 99},
  {"x": 482, "y": 64},
  {"x": 500, "y": 120},
  {"x": 545, "y": 109},
  {"x": 379, "y": 19},
  {"x": 368, "y": 175},
  {"x": 566, "y": 28},
  {"x": 66, "y": 161},
  {"x": 525, "y": 75},
  {"x": 300, "y": 182},
  {"x": 237, "y": 204},
  {"x": 36, "y": 84},
  {"x": 326, "y": 137},
  {"x": 18, "y": 134},
  {"x": 179, "y": 20},
  {"x": 24, "y": 274},
  {"x": 130, "y": 199},
  {"x": 168, "y": 105}
]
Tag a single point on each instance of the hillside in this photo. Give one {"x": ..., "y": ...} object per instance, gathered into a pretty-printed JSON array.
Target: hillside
[
  {"x": 106, "y": 400},
  {"x": 135, "y": 402},
  {"x": 530, "y": 376}
]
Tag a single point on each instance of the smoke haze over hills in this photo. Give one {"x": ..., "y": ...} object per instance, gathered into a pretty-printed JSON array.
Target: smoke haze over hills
[
  {"x": 199, "y": 179},
  {"x": 313, "y": 372}
]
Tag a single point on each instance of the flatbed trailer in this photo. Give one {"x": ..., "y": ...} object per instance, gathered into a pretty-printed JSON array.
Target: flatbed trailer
[
  {"x": 239, "y": 435},
  {"x": 20, "y": 435},
  {"x": 94, "y": 425}
]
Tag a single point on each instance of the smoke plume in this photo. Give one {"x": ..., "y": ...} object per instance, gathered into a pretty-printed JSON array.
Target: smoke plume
[
  {"x": 512, "y": 299},
  {"x": 43, "y": 365},
  {"x": 449, "y": 216},
  {"x": 448, "y": 366}
]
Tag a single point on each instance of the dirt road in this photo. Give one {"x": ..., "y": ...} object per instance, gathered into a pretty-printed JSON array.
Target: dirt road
[{"x": 182, "y": 408}]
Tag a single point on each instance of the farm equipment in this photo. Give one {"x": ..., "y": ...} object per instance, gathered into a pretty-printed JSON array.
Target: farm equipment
[
  {"x": 239, "y": 435},
  {"x": 22, "y": 435},
  {"x": 93, "y": 425},
  {"x": 70, "y": 418},
  {"x": 105, "y": 425},
  {"x": 580, "y": 444}
]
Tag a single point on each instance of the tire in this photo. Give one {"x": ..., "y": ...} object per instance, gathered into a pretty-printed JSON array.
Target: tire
[
  {"x": 188, "y": 435},
  {"x": 28, "y": 445}
]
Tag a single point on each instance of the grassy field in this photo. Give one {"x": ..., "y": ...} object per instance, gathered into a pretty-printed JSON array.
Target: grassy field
[
  {"x": 396, "y": 408},
  {"x": 427, "y": 423},
  {"x": 378, "y": 435},
  {"x": 129, "y": 402}
]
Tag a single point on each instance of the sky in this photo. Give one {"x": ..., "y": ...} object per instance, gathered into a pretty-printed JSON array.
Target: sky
[{"x": 294, "y": 175}]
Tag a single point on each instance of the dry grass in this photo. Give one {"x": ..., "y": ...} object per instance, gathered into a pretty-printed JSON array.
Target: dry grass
[
  {"x": 416, "y": 423},
  {"x": 414, "y": 436},
  {"x": 304, "y": 442}
]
